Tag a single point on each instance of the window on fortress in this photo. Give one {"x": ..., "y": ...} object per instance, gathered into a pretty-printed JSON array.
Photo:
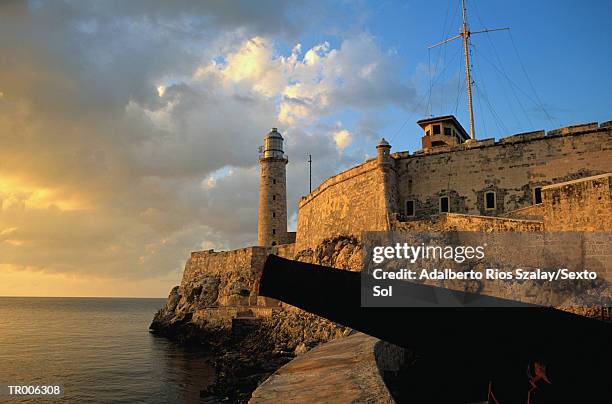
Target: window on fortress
[
  {"x": 273, "y": 214},
  {"x": 447, "y": 131},
  {"x": 537, "y": 195},
  {"x": 436, "y": 129},
  {"x": 273, "y": 231},
  {"x": 490, "y": 200},
  {"x": 409, "y": 208},
  {"x": 273, "y": 181},
  {"x": 273, "y": 197},
  {"x": 444, "y": 204}
]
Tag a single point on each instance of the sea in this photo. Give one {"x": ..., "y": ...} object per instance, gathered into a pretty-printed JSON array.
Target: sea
[{"x": 99, "y": 349}]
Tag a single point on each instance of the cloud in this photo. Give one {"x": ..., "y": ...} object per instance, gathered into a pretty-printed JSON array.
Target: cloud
[
  {"x": 342, "y": 138},
  {"x": 130, "y": 129}
]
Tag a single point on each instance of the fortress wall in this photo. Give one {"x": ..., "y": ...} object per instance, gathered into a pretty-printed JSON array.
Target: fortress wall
[
  {"x": 459, "y": 222},
  {"x": 580, "y": 205},
  {"x": 284, "y": 250},
  {"x": 533, "y": 212},
  {"x": 344, "y": 205},
  {"x": 584, "y": 205},
  {"x": 226, "y": 278},
  {"x": 512, "y": 168}
]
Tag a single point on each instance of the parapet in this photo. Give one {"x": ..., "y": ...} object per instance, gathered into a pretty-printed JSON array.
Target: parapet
[
  {"x": 512, "y": 139},
  {"x": 352, "y": 172},
  {"x": 523, "y": 137},
  {"x": 465, "y": 222},
  {"x": 606, "y": 124},
  {"x": 568, "y": 130},
  {"x": 592, "y": 179}
]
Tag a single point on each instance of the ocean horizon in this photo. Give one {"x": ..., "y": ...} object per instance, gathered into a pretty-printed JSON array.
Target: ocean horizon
[{"x": 99, "y": 349}]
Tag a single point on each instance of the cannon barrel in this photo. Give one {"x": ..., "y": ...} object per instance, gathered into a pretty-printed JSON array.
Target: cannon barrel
[{"x": 491, "y": 343}]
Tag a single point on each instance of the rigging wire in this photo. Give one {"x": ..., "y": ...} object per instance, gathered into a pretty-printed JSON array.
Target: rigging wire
[
  {"x": 460, "y": 88},
  {"x": 496, "y": 118},
  {"x": 508, "y": 79},
  {"x": 482, "y": 121},
  {"x": 483, "y": 90},
  {"x": 423, "y": 98},
  {"x": 541, "y": 105},
  {"x": 501, "y": 65},
  {"x": 430, "y": 83},
  {"x": 440, "y": 56}
]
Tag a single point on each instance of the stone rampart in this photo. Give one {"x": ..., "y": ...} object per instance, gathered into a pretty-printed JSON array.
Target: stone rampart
[
  {"x": 344, "y": 205},
  {"x": 580, "y": 205},
  {"x": 533, "y": 212},
  {"x": 227, "y": 278},
  {"x": 284, "y": 250},
  {"x": 459, "y": 222},
  {"x": 512, "y": 168}
]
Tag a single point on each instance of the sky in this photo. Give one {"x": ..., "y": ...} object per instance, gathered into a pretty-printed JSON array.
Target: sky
[{"x": 129, "y": 130}]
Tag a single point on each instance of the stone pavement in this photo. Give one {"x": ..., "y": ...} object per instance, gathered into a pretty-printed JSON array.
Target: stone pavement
[{"x": 340, "y": 371}]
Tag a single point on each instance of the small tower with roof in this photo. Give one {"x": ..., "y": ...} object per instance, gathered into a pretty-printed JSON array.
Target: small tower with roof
[
  {"x": 383, "y": 152},
  {"x": 272, "y": 219}
]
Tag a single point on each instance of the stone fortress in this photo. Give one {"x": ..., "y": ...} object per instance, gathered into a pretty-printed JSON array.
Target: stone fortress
[
  {"x": 556, "y": 180},
  {"x": 560, "y": 180}
]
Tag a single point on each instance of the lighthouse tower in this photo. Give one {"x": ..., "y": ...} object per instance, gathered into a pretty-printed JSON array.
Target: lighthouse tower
[{"x": 272, "y": 223}]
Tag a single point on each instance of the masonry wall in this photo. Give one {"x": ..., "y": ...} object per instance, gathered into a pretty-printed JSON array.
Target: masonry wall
[
  {"x": 533, "y": 212},
  {"x": 458, "y": 222},
  {"x": 284, "y": 250},
  {"x": 581, "y": 205},
  {"x": 226, "y": 278},
  {"x": 512, "y": 167},
  {"x": 344, "y": 205}
]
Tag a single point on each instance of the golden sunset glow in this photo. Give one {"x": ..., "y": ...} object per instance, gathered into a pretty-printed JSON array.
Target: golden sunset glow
[{"x": 14, "y": 191}]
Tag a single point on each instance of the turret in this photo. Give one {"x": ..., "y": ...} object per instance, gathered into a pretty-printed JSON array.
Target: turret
[
  {"x": 386, "y": 164},
  {"x": 383, "y": 152},
  {"x": 272, "y": 222}
]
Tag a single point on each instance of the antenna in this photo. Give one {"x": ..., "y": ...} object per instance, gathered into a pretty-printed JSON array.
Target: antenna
[
  {"x": 310, "y": 172},
  {"x": 465, "y": 33}
]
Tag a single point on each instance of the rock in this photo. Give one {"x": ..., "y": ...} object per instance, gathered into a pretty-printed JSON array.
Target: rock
[
  {"x": 300, "y": 349},
  {"x": 215, "y": 307}
]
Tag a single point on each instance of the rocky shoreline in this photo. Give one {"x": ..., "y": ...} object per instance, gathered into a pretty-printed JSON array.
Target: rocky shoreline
[
  {"x": 251, "y": 350},
  {"x": 218, "y": 308}
]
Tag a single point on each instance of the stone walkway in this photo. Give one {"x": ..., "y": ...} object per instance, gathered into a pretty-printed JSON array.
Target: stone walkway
[{"x": 340, "y": 371}]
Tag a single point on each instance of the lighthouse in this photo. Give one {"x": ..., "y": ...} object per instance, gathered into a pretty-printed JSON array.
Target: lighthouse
[{"x": 272, "y": 220}]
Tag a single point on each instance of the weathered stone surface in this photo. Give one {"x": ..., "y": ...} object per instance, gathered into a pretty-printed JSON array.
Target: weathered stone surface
[
  {"x": 210, "y": 280},
  {"x": 579, "y": 205},
  {"x": 272, "y": 219},
  {"x": 344, "y": 205},
  {"x": 342, "y": 371},
  {"x": 533, "y": 212},
  {"x": 362, "y": 198},
  {"x": 459, "y": 222},
  {"x": 343, "y": 252}
]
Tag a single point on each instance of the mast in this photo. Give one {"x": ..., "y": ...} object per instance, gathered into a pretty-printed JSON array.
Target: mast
[{"x": 465, "y": 34}]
